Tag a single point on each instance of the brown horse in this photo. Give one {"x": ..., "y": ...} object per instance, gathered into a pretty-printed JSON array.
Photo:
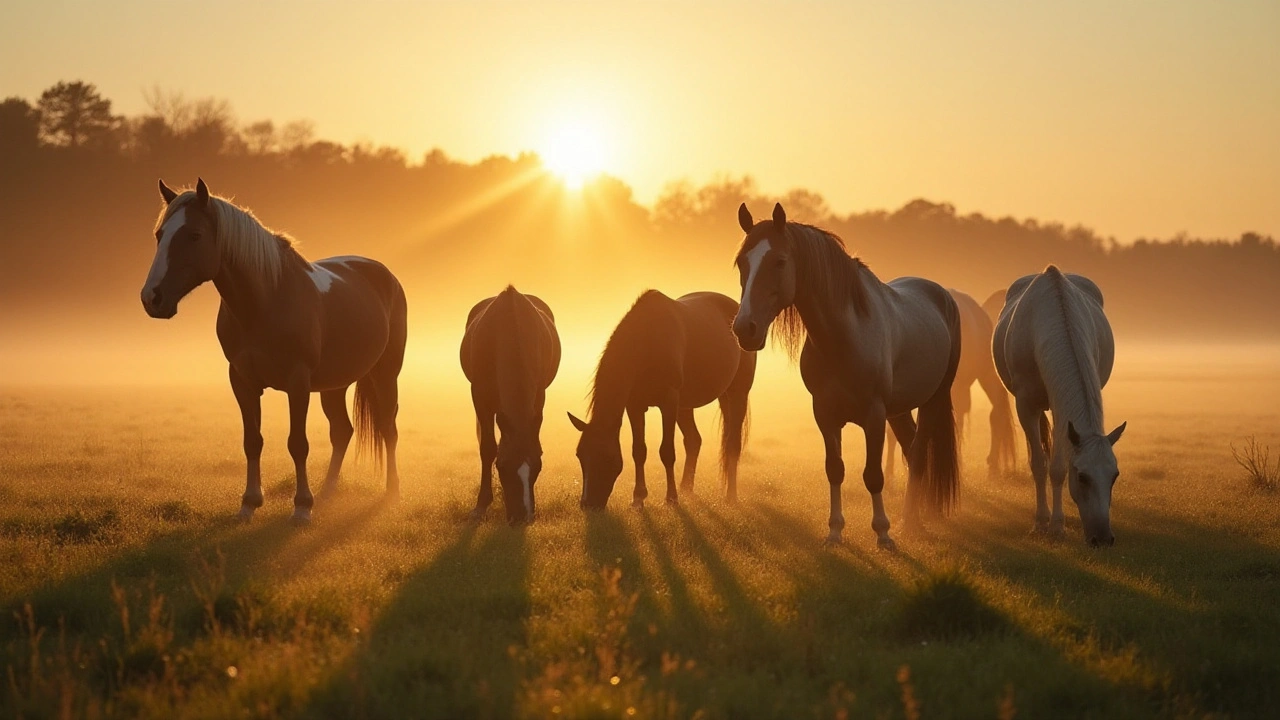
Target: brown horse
[
  {"x": 675, "y": 355},
  {"x": 286, "y": 324},
  {"x": 977, "y": 366},
  {"x": 873, "y": 352},
  {"x": 510, "y": 353},
  {"x": 994, "y": 304}
]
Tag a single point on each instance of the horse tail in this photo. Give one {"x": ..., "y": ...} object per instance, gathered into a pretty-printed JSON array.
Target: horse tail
[
  {"x": 369, "y": 436},
  {"x": 1046, "y": 436},
  {"x": 377, "y": 396},
  {"x": 935, "y": 449}
]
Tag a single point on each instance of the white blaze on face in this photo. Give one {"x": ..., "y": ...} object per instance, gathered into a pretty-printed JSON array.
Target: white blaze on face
[
  {"x": 160, "y": 265},
  {"x": 523, "y": 472},
  {"x": 323, "y": 278},
  {"x": 755, "y": 259}
]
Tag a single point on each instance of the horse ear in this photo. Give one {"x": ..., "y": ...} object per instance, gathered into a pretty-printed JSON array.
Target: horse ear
[
  {"x": 166, "y": 193},
  {"x": 577, "y": 423},
  {"x": 779, "y": 217},
  {"x": 1114, "y": 436},
  {"x": 744, "y": 218},
  {"x": 1072, "y": 435},
  {"x": 202, "y": 192}
]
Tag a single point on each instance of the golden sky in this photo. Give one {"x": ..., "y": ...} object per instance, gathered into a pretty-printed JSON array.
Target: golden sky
[{"x": 1134, "y": 118}]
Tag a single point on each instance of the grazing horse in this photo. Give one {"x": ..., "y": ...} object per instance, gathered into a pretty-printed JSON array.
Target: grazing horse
[
  {"x": 976, "y": 366},
  {"x": 872, "y": 352},
  {"x": 1054, "y": 350},
  {"x": 675, "y": 355},
  {"x": 994, "y": 304},
  {"x": 286, "y": 324},
  {"x": 510, "y": 353}
]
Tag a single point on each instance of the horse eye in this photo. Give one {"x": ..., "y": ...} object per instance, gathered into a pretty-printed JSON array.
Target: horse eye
[
  {"x": 1084, "y": 478},
  {"x": 780, "y": 262}
]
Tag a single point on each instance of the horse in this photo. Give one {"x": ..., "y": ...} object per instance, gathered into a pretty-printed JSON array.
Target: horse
[
  {"x": 994, "y": 304},
  {"x": 1054, "y": 350},
  {"x": 871, "y": 352},
  {"x": 290, "y": 325},
  {"x": 676, "y": 355},
  {"x": 510, "y": 354},
  {"x": 976, "y": 366}
]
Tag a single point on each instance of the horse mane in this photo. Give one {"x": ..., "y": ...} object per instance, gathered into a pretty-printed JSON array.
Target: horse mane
[
  {"x": 625, "y": 332},
  {"x": 828, "y": 268},
  {"x": 1087, "y": 404},
  {"x": 246, "y": 243}
]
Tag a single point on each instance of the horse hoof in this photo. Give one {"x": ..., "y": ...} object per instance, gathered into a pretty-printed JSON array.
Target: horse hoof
[
  {"x": 637, "y": 504},
  {"x": 833, "y": 540},
  {"x": 301, "y": 517},
  {"x": 1040, "y": 530},
  {"x": 477, "y": 515},
  {"x": 246, "y": 513},
  {"x": 887, "y": 544},
  {"x": 673, "y": 501},
  {"x": 1057, "y": 532}
]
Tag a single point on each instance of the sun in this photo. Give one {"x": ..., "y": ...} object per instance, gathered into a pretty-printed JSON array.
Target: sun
[{"x": 575, "y": 150}]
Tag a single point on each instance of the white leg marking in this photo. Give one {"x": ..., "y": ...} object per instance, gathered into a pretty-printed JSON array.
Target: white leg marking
[
  {"x": 160, "y": 265},
  {"x": 754, "y": 259},
  {"x": 523, "y": 472}
]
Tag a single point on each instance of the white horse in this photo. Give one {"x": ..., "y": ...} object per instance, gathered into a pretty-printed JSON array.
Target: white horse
[
  {"x": 1054, "y": 350},
  {"x": 873, "y": 352}
]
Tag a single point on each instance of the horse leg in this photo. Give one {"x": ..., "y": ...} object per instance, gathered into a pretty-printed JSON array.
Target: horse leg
[
  {"x": 299, "y": 402},
  {"x": 692, "y": 446},
  {"x": 488, "y": 454},
  {"x": 1031, "y": 420},
  {"x": 334, "y": 404},
  {"x": 639, "y": 452},
  {"x": 667, "y": 450},
  {"x": 904, "y": 429},
  {"x": 1058, "y": 459},
  {"x": 873, "y": 477},
  {"x": 890, "y": 457},
  {"x": 249, "y": 399}
]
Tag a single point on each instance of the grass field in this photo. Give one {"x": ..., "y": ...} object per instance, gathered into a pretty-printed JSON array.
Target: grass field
[{"x": 128, "y": 590}]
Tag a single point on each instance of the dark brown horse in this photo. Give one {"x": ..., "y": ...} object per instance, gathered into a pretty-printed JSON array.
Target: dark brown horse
[
  {"x": 675, "y": 355},
  {"x": 289, "y": 325},
  {"x": 510, "y": 353},
  {"x": 872, "y": 352},
  {"x": 977, "y": 366}
]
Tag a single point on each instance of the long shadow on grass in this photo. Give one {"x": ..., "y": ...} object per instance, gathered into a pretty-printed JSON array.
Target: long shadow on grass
[
  {"x": 1195, "y": 601},
  {"x": 444, "y": 646},
  {"x": 170, "y": 562}
]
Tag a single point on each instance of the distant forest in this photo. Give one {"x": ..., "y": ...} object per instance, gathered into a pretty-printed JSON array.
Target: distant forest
[{"x": 78, "y": 199}]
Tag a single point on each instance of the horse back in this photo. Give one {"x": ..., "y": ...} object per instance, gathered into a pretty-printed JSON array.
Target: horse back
[{"x": 711, "y": 352}]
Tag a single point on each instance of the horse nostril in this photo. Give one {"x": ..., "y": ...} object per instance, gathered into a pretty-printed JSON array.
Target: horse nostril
[
  {"x": 1093, "y": 541},
  {"x": 153, "y": 298},
  {"x": 1111, "y": 541}
]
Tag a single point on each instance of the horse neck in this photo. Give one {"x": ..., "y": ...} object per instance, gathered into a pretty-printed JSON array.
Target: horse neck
[
  {"x": 827, "y": 311},
  {"x": 246, "y": 295},
  {"x": 1075, "y": 393},
  {"x": 615, "y": 377}
]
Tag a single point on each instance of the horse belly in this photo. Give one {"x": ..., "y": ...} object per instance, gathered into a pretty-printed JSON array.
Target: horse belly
[{"x": 711, "y": 362}]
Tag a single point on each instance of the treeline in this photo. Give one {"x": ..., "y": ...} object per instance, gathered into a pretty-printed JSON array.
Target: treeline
[{"x": 78, "y": 198}]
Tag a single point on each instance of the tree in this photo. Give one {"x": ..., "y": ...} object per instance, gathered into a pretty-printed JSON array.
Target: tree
[
  {"x": 74, "y": 115},
  {"x": 19, "y": 127}
]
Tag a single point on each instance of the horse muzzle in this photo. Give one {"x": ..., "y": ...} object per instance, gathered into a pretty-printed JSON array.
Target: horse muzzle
[
  {"x": 750, "y": 334},
  {"x": 156, "y": 304}
]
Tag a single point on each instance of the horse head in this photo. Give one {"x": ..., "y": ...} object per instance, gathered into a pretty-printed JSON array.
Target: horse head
[
  {"x": 186, "y": 250},
  {"x": 767, "y": 273},
  {"x": 600, "y": 454},
  {"x": 1092, "y": 475}
]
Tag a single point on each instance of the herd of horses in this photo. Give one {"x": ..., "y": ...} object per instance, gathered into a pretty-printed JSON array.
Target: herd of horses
[{"x": 870, "y": 353}]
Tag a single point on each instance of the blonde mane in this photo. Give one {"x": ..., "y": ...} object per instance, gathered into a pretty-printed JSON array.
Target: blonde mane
[{"x": 245, "y": 242}]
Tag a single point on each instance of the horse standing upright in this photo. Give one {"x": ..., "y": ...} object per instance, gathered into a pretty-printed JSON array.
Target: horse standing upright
[
  {"x": 290, "y": 325},
  {"x": 676, "y": 355},
  {"x": 872, "y": 352},
  {"x": 1054, "y": 350},
  {"x": 510, "y": 353},
  {"x": 977, "y": 366}
]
